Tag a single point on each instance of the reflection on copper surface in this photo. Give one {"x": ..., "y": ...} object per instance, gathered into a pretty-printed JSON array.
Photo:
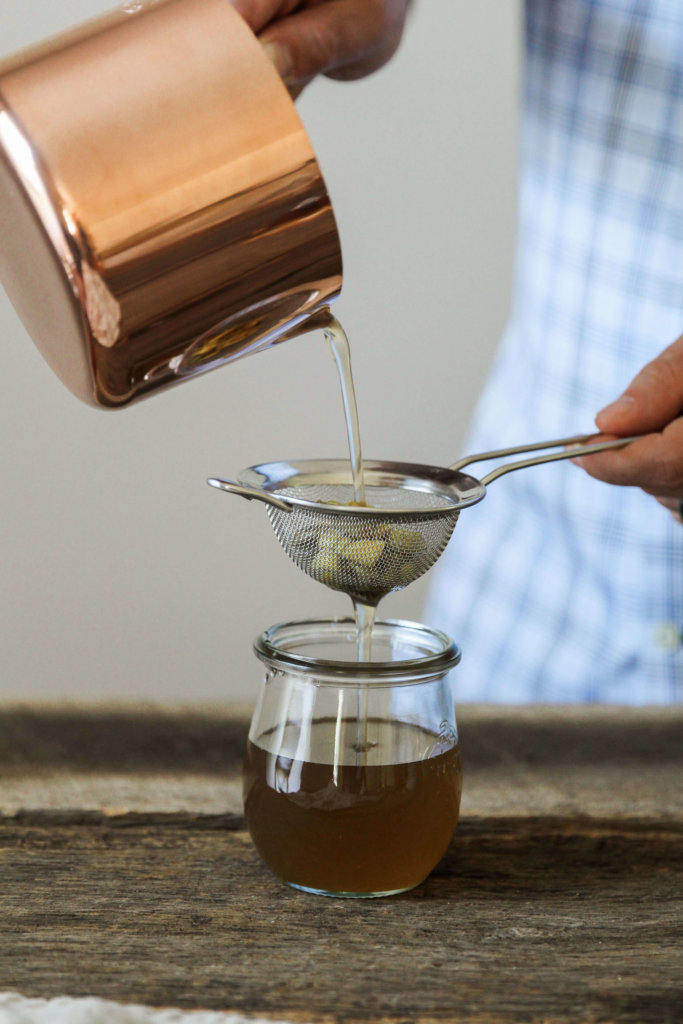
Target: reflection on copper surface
[
  {"x": 172, "y": 187},
  {"x": 29, "y": 173}
]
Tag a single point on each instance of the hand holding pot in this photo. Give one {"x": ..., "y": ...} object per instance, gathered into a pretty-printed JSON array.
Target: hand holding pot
[{"x": 342, "y": 39}]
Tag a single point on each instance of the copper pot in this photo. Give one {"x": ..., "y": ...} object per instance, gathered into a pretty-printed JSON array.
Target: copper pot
[{"x": 162, "y": 211}]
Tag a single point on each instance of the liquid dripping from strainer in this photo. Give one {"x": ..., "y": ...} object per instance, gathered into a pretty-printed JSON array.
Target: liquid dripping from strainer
[{"x": 365, "y": 620}]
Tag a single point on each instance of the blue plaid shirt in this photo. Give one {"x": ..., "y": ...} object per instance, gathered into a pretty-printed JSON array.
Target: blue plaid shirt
[{"x": 560, "y": 588}]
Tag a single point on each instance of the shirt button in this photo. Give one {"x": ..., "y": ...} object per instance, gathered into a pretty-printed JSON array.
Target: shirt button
[{"x": 667, "y": 636}]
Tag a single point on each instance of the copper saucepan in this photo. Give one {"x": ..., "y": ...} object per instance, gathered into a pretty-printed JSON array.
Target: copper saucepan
[{"x": 162, "y": 211}]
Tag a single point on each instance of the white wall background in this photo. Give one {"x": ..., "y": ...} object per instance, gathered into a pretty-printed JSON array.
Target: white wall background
[{"x": 123, "y": 575}]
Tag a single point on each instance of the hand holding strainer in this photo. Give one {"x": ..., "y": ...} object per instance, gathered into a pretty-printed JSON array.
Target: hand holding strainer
[{"x": 370, "y": 551}]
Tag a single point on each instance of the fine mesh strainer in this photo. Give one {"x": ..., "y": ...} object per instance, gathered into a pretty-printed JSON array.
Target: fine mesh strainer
[{"x": 370, "y": 551}]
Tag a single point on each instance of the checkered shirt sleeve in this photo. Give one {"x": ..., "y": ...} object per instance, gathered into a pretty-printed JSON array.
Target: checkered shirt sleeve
[{"x": 560, "y": 588}]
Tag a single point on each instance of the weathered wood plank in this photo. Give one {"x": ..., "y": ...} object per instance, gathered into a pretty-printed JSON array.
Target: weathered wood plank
[
  {"x": 599, "y": 761},
  {"x": 534, "y": 920},
  {"x": 125, "y": 872}
]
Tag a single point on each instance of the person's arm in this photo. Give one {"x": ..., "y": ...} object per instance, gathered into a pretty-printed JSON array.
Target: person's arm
[
  {"x": 342, "y": 39},
  {"x": 652, "y": 404}
]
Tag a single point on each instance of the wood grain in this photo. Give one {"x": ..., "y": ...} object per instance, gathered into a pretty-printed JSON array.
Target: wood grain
[
  {"x": 597, "y": 761},
  {"x": 525, "y": 920},
  {"x": 561, "y": 904}
]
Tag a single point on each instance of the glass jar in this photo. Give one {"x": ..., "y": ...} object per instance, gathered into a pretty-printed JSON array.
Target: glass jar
[{"x": 352, "y": 775}]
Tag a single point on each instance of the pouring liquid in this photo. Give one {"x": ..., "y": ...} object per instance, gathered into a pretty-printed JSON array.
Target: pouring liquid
[
  {"x": 364, "y": 614},
  {"x": 341, "y": 351}
]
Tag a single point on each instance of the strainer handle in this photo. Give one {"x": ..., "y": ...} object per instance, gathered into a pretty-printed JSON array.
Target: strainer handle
[
  {"x": 250, "y": 493},
  {"x": 520, "y": 449},
  {"x": 573, "y": 447}
]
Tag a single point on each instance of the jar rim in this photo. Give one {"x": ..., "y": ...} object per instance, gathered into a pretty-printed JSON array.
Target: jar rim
[{"x": 271, "y": 647}]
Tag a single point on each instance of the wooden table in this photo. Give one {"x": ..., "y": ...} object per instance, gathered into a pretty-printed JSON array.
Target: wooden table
[{"x": 126, "y": 872}]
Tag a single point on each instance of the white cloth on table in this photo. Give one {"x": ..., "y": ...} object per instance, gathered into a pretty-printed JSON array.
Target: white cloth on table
[{"x": 16, "y": 1009}]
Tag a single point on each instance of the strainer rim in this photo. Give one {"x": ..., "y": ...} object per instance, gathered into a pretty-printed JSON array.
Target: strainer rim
[{"x": 273, "y": 477}]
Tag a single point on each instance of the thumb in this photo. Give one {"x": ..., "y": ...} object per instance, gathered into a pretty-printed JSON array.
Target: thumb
[
  {"x": 334, "y": 39},
  {"x": 653, "y": 398}
]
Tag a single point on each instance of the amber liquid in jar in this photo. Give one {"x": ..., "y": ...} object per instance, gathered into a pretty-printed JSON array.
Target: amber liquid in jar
[{"x": 357, "y": 826}]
